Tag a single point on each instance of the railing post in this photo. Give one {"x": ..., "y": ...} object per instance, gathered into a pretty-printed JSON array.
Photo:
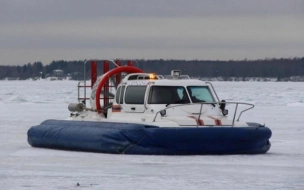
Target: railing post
[
  {"x": 84, "y": 82},
  {"x": 199, "y": 116},
  {"x": 130, "y": 63},
  {"x": 78, "y": 87},
  {"x": 118, "y": 76},
  {"x": 93, "y": 72},
  {"x": 106, "y": 86},
  {"x": 155, "y": 116},
  {"x": 236, "y": 106}
]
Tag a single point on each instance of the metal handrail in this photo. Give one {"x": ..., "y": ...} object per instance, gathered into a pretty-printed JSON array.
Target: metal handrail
[
  {"x": 199, "y": 116},
  {"x": 202, "y": 103},
  {"x": 84, "y": 76},
  {"x": 84, "y": 81},
  {"x": 210, "y": 84}
]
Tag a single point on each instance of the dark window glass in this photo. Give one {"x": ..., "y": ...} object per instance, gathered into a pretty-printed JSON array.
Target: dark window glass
[
  {"x": 135, "y": 95},
  {"x": 138, "y": 77},
  {"x": 168, "y": 95},
  {"x": 119, "y": 94}
]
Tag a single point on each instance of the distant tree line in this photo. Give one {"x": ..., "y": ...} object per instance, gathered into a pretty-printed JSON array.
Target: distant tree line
[
  {"x": 38, "y": 70},
  {"x": 279, "y": 68}
]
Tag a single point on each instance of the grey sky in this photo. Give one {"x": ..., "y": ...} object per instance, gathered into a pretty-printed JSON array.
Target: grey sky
[{"x": 44, "y": 30}]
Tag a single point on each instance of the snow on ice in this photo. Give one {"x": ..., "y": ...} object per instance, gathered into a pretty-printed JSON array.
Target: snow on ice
[{"x": 278, "y": 105}]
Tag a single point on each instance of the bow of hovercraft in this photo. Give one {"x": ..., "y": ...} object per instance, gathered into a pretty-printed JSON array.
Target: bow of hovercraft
[{"x": 131, "y": 138}]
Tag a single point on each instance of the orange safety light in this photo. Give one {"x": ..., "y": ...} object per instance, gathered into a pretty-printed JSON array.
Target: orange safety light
[{"x": 152, "y": 76}]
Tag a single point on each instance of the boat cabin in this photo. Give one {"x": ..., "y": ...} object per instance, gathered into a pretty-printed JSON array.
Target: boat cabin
[
  {"x": 149, "y": 93},
  {"x": 146, "y": 97}
]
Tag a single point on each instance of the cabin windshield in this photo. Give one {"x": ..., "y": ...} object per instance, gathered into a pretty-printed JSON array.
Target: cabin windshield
[
  {"x": 178, "y": 94},
  {"x": 200, "y": 94},
  {"x": 168, "y": 95}
]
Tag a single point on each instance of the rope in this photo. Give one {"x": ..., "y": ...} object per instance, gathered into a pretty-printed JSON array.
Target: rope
[{"x": 123, "y": 152}]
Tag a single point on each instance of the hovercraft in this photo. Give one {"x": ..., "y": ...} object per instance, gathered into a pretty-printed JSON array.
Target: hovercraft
[{"x": 150, "y": 114}]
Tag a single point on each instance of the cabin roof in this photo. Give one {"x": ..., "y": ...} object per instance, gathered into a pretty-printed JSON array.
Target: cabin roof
[
  {"x": 168, "y": 82},
  {"x": 181, "y": 82}
]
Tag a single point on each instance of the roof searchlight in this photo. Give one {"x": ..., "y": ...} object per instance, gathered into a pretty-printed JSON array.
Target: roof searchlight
[{"x": 175, "y": 74}]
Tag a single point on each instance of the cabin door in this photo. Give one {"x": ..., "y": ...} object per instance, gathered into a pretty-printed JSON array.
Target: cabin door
[{"x": 134, "y": 99}]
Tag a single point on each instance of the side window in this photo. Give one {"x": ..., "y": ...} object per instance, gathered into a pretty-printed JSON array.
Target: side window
[
  {"x": 200, "y": 93},
  {"x": 135, "y": 94},
  {"x": 119, "y": 94}
]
